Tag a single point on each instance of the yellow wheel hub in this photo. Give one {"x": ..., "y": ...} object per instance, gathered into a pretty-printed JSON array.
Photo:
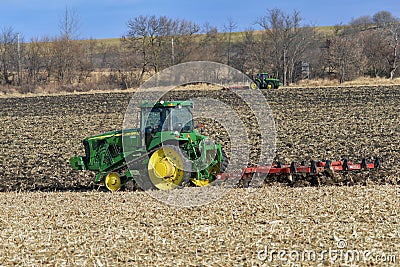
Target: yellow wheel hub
[
  {"x": 113, "y": 181},
  {"x": 253, "y": 85},
  {"x": 165, "y": 168}
]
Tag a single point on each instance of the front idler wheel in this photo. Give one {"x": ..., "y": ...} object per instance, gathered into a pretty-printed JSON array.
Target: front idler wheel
[{"x": 113, "y": 181}]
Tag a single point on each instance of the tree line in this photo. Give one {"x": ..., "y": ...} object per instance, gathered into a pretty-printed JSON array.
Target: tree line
[{"x": 366, "y": 46}]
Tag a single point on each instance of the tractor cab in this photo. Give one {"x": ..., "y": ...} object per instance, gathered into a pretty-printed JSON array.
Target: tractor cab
[
  {"x": 263, "y": 76},
  {"x": 167, "y": 116}
]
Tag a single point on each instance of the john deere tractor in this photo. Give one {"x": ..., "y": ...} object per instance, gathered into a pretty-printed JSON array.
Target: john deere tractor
[
  {"x": 165, "y": 152},
  {"x": 264, "y": 81}
]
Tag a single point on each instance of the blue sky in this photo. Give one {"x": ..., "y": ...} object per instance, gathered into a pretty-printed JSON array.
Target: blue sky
[{"x": 108, "y": 18}]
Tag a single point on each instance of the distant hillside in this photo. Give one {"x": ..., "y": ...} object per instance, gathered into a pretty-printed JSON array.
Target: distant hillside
[{"x": 236, "y": 36}]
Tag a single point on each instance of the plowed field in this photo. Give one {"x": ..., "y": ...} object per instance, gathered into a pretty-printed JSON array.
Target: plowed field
[{"x": 349, "y": 219}]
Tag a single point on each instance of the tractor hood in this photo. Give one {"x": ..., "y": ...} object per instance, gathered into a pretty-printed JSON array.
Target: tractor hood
[{"x": 133, "y": 131}]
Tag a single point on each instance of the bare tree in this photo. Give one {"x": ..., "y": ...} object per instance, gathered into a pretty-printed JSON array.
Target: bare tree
[
  {"x": 210, "y": 45},
  {"x": 363, "y": 22},
  {"x": 10, "y": 56},
  {"x": 138, "y": 41},
  {"x": 344, "y": 57},
  {"x": 184, "y": 42},
  {"x": 69, "y": 63},
  {"x": 250, "y": 54},
  {"x": 383, "y": 18},
  {"x": 375, "y": 51},
  {"x": 301, "y": 42},
  {"x": 379, "y": 35},
  {"x": 159, "y": 41},
  {"x": 288, "y": 38},
  {"x": 63, "y": 60},
  {"x": 147, "y": 36},
  {"x": 393, "y": 38},
  {"x": 69, "y": 24},
  {"x": 388, "y": 29},
  {"x": 37, "y": 62},
  {"x": 229, "y": 28}
]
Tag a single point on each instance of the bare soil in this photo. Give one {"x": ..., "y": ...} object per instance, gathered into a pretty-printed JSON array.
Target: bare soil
[{"x": 40, "y": 134}]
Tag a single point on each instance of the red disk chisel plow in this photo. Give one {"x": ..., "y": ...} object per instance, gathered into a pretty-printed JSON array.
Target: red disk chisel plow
[{"x": 315, "y": 167}]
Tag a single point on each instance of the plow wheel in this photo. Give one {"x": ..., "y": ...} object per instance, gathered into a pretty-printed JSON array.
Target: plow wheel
[
  {"x": 113, "y": 181},
  {"x": 168, "y": 168}
]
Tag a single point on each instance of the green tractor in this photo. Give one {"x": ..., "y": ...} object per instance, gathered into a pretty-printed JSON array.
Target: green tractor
[
  {"x": 264, "y": 81},
  {"x": 164, "y": 153}
]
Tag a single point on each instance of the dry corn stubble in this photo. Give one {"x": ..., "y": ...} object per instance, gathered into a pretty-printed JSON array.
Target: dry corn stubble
[
  {"x": 94, "y": 228},
  {"x": 39, "y": 134}
]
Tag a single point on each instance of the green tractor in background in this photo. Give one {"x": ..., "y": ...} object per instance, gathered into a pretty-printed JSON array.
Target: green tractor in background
[
  {"x": 264, "y": 81},
  {"x": 165, "y": 152}
]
